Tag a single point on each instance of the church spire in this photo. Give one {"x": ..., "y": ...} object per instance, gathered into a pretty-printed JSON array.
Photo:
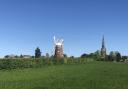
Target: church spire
[
  {"x": 103, "y": 49},
  {"x": 103, "y": 42}
]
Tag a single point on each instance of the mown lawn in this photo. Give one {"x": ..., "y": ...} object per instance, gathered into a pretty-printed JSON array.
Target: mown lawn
[{"x": 92, "y": 75}]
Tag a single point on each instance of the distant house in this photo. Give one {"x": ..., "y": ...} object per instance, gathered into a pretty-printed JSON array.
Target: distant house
[
  {"x": 11, "y": 56},
  {"x": 26, "y": 56}
]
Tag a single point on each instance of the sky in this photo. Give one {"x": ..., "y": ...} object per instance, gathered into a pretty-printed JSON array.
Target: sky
[{"x": 27, "y": 24}]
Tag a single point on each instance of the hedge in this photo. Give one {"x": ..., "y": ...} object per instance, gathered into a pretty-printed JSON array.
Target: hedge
[{"x": 31, "y": 63}]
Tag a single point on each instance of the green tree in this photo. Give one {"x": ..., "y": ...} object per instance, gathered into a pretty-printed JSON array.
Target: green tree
[
  {"x": 84, "y": 55},
  {"x": 118, "y": 56},
  {"x": 47, "y": 55},
  {"x": 37, "y": 53},
  {"x": 21, "y": 56},
  {"x": 33, "y": 56},
  {"x": 112, "y": 56},
  {"x": 16, "y": 56},
  {"x": 124, "y": 58},
  {"x": 65, "y": 56},
  {"x": 6, "y": 56},
  {"x": 98, "y": 54}
]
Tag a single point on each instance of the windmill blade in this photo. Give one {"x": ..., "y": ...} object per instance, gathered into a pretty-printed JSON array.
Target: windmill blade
[
  {"x": 62, "y": 41},
  {"x": 54, "y": 38}
]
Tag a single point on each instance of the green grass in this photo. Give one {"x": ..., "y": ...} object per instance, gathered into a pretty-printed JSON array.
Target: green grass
[{"x": 92, "y": 75}]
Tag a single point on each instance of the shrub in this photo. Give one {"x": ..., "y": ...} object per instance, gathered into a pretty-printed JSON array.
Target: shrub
[
  {"x": 16, "y": 63},
  {"x": 38, "y": 62}
]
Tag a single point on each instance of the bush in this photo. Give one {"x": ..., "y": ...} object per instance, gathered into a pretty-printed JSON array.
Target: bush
[
  {"x": 38, "y": 62},
  {"x": 16, "y": 63}
]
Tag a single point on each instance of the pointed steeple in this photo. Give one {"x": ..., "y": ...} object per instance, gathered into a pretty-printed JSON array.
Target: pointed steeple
[
  {"x": 103, "y": 49},
  {"x": 103, "y": 42}
]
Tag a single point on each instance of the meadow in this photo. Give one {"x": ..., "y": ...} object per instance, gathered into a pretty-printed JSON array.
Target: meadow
[{"x": 91, "y": 75}]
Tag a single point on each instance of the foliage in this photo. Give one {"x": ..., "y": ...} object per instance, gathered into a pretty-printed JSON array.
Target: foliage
[
  {"x": 37, "y": 53},
  {"x": 16, "y": 63},
  {"x": 118, "y": 57},
  {"x": 95, "y": 55},
  {"x": 114, "y": 56},
  {"x": 84, "y": 55},
  {"x": 39, "y": 62},
  {"x": 124, "y": 58}
]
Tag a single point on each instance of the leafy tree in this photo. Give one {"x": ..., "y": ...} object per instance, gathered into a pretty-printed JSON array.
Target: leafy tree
[
  {"x": 92, "y": 56},
  {"x": 112, "y": 56},
  {"x": 84, "y": 55},
  {"x": 33, "y": 56},
  {"x": 6, "y": 56},
  {"x": 124, "y": 58},
  {"x": 47, "y": 55},
  {"x": 37, "y": 53},
  {"x": 98, "y": 54},
  {"x": 72, "y": 57},
  {"x": 65, "y": 56},
  {"x": 16, "y": 56},
  {"x": 118, "y": 56},
  {"x": 21, "y": 56}
]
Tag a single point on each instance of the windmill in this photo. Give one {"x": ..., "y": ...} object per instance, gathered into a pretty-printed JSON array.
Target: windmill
[{"x": 58, "y": 47}]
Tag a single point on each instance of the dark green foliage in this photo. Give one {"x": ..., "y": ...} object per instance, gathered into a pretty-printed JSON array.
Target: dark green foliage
[
  {"x": 95, "y": 56},
  {"x": 57, "y": 61},
  {"x": 21, "y": 56},
  {"x": 118, "y": 57},
  {"x": 124, "y": 58},
  {"x": 65, "y": 56},
  {"x": 16, "y": 63},
  {"x": 39, "y": 62},
  {"x": 6, "y": 56},
  {"x": 84, "y": 55},
  {"x": 114, "y": 56},
  {"x": 37, "y": 53}
]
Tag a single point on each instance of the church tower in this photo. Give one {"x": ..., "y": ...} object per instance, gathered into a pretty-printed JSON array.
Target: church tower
[{"x": 103, "y": 49}]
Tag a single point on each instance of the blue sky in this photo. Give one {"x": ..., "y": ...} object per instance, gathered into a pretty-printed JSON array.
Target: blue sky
[{"x": 26, "y": 24}]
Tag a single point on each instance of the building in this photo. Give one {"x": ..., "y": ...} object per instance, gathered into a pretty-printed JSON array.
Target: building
[
  {"x": 59, "y": 51},
  {"x": 26, "y": 56},
  {"x": 103, "y": 49},
  {"x": 59, "y": 43},
  {"x": 11, "y": 56}
]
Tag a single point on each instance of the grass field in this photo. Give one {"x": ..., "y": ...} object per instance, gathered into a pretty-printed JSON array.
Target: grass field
[{"x": 92, "y": 75}]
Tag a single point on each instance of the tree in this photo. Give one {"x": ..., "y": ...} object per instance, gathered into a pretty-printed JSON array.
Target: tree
[
  {"x": 124, "y": 58},
  {"x": 16, "y": 56},
  {"x": 98, "y": 55},
  {"x": 37, "y": 53},
  {"x": 21, "y": 56},
  {"x": 32, "y": 56},
  {"x": 65, "y": 56},
  {"x": 112, "y": 56},
  {"x": 47, "y": 55},
  {"x": 72, "y": 57},
  {"x": 6, "y": 56},
  {"x": 118, "y": 56},
  {"x": 84, "y": 55}
]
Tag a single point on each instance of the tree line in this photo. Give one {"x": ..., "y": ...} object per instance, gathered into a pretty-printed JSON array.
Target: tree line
[{"x": 113, "y": 56}]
